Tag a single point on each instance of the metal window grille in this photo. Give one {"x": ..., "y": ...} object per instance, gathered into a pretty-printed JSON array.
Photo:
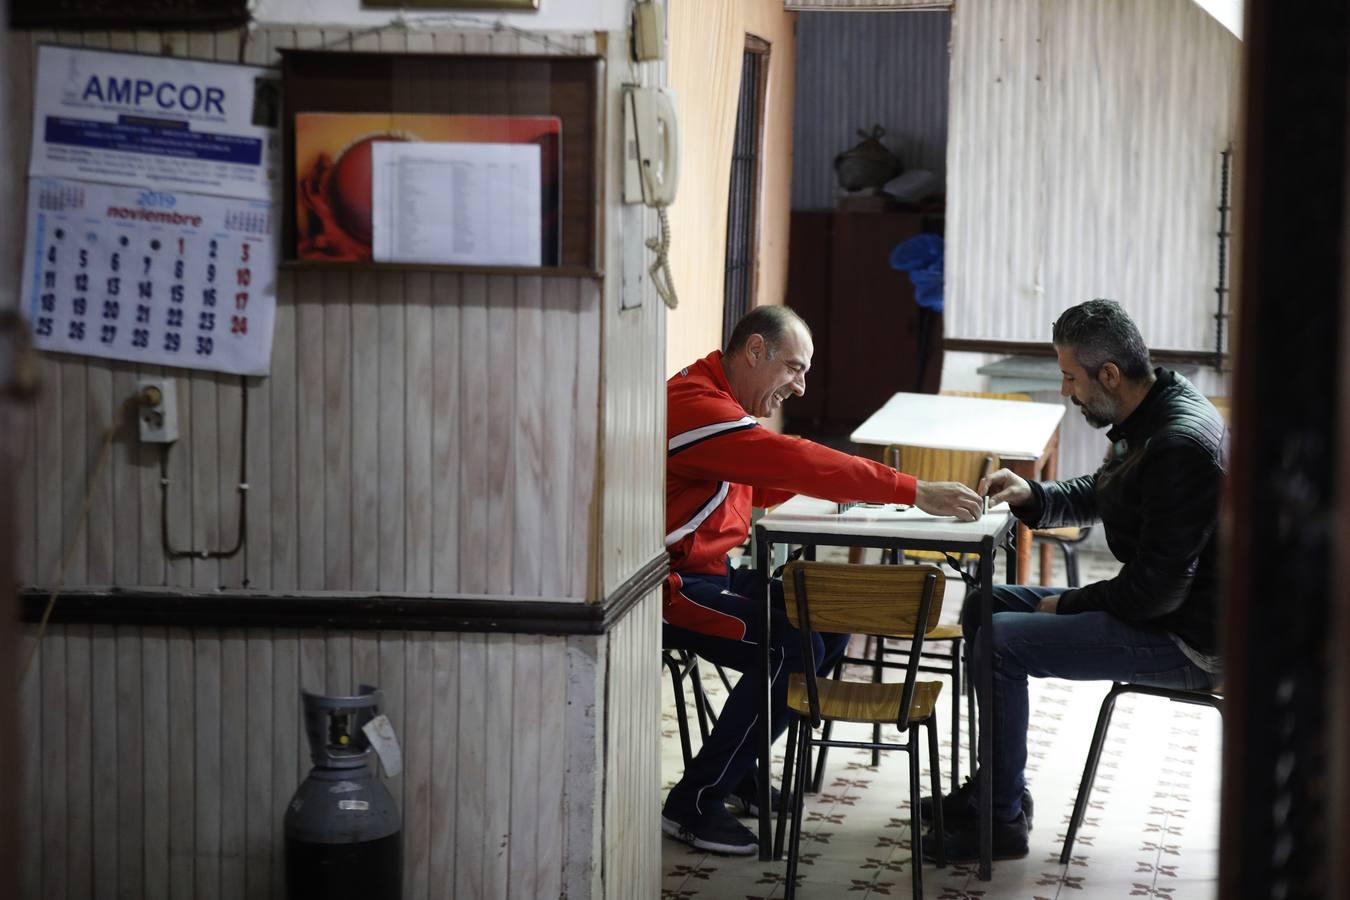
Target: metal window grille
[{"x": 738, "y": 287}]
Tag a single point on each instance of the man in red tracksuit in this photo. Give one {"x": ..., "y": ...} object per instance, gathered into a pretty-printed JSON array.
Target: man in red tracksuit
[{"x": 720, "y": 462}]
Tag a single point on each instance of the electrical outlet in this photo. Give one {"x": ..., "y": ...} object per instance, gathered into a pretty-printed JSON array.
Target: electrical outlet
[{"x": 157, "y": 410}]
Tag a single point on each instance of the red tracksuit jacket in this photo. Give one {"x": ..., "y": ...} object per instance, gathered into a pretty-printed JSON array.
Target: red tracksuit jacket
[{"x": 720, "y": 462}]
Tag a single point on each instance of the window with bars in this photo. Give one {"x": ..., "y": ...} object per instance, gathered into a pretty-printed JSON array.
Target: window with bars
[{"x": 742, "y": 261}]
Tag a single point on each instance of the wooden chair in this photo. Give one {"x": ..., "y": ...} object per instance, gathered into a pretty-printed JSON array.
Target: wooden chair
[
  {"x": 1212, "y": 699},
  {"x": 883, "y": 600},
  {"x": 943, "y": 642}
]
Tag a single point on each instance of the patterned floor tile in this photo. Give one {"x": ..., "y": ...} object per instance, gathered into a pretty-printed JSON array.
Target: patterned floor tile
[{"x": 1150, "y": 831}]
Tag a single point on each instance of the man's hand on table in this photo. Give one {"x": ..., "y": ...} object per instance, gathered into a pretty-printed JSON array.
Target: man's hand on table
[
  {"x": 1048, "y": 605},
  {"x": 1003, "y": 486},
  {"x": 948, "y": 498}
]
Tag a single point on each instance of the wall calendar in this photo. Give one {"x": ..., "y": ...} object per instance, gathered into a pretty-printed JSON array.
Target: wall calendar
[{"x": 151, "y": 233}]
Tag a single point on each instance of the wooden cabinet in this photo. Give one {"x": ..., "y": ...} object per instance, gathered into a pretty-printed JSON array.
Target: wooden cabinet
[{"x": 871, "y": 338}]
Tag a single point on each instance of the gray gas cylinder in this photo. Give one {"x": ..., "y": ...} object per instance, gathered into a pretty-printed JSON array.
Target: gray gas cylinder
[{"x": 342, "y": 829}]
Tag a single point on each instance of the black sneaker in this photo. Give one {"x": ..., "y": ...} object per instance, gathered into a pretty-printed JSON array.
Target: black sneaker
[
  {"x": 963, "y": 842},
  {"x": 959, "y": 805},
  {"x": 717, "y": 832},
  {"x": 744, "y": 801}
]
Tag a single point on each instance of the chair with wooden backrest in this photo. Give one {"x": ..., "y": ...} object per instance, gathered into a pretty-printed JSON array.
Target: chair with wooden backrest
[
  {"x": 926, "y": 465},
  {"x": 683, "y": 665},
  {"x": 1066, "y": 539},
  {"x": 1212, "y": 699},
  {"x": 883, "y": 600}
]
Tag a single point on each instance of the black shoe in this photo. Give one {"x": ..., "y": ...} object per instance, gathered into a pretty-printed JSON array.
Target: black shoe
[
  {"x": 717, "y": 832},
  {"x": 959, "y": 805},
  {"x": 744, "y": 801},
  {"x": 963, "y": 842}
]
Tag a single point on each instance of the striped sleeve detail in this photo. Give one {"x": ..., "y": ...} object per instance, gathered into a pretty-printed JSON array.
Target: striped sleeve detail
[
  {"x": 687, "y": 439},
  {"x": 699, "y": 517}
]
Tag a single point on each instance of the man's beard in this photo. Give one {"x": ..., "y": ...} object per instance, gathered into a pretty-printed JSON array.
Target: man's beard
[{"x": 1099, "y": 413}]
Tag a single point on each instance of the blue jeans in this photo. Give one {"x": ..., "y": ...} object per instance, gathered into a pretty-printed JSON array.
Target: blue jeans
[
  {"x": 728, "y": 755},
  {"x": 1090, "y": 646}
]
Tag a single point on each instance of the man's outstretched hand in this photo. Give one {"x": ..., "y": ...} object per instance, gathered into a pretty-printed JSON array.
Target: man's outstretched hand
[
  {"x": 948, "y": 498},
  {"x": 1004, "y": 486}
]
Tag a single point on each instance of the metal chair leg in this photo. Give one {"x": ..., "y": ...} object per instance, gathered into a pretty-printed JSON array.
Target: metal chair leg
[
  {"x": 722, "y": 674},
  {"x": 956, "y": 714},
  {"x": 789, "y": 759},
  {"x": 916, "y": 829},
  {"x": 798, "y": 801},
  {"x": 816, "y": 779},
  {"x": 701, "y": 705},
  {"x": 972, "y": 723},
  {"x": 1089, "y": 772},
  {"x": 681, "y": 713},
  {"x": 1071, "y": 564},
  {"x": 939, "y": 827},
  {"x": 878, "y": 671}
]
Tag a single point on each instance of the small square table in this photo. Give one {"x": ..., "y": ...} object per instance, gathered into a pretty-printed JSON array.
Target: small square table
[{"x": 811, "y": 522}]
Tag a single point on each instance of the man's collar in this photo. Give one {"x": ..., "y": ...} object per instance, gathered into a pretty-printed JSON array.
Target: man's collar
[
  {"x": 719, "y": 374},
  {"x": 1163, "y": 379}
]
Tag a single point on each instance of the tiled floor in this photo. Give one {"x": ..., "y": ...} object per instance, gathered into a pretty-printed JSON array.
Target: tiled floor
[{"x": 1151, "y": 829}]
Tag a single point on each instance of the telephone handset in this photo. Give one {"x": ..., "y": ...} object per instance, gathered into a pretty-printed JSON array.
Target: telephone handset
[{"x": 651, "y": 130}]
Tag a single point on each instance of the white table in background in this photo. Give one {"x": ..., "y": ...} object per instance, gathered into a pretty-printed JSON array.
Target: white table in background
[{"x": 1024, "y": 435}]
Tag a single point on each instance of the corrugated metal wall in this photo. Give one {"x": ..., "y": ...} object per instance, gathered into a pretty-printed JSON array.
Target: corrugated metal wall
[
  {"x": 1084, "y": 161},
  {"x": 863, "y": 69},
  {"x": 866, "y": 5}
]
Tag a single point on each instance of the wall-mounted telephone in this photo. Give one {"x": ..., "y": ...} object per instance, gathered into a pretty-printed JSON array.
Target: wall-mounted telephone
[{"x": 652, "y": 147}]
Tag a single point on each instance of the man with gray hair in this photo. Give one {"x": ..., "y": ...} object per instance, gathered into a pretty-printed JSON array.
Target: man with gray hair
[{"x": 1157, "y": 497}]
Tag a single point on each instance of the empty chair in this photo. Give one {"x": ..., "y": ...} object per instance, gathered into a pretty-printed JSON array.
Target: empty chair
[
  {"x": 1213, "y": 699},
  {"x": 883, "y": 600}
]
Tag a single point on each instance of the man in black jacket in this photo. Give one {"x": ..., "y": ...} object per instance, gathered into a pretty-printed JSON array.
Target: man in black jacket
[{"x": 1157, "y": 497}]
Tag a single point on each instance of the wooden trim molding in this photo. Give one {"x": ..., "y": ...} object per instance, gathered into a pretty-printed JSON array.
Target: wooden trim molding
[
  {"x": 346, "y": 610},
  {"x": 1038, "y": 348}
]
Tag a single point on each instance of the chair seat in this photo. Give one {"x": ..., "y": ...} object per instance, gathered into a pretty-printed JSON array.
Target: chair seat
[
  {"x": 943, "y": 633},
  {"x": 1070, "y": 533},
  {"x": 936, "y": 556},
  {"x": 872, "y": 702}
]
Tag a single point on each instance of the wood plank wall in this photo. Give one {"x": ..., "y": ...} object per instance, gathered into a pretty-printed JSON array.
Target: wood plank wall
[
  {"x": 632, "y": 757},
  {"x": 428, "y": 433},
  {"x": 163, "y": 758},
  {"x": 1084, "y": 161},
  {"x": 418, "y": 432},
  {"x": 707, "y": 43}
]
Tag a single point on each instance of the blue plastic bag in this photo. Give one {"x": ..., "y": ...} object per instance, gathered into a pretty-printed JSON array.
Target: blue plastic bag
[{"x": 921, "y": 256}]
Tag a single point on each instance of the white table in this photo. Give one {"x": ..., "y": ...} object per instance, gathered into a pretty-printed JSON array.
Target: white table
[
  {"x": 811, "y": 522},
  {"x": 1024, "y": 435}
]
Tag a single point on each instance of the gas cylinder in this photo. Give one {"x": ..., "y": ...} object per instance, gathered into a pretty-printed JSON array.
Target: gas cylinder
[{"x": 343, "y": 831}]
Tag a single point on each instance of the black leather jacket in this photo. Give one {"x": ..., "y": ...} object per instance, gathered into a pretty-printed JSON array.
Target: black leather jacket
[{"x": 1157, "y": 496}]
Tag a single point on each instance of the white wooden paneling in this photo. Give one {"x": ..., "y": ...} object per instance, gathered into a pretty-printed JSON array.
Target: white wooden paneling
[
  {"x": 221, "y": 751},
  {"x": 1084, "y": 161},
  {"x": 630, "y": 492},
  {"x": 385, "y": 449},
  {"x": 633, "y": 754},
  {"x": 449, "y": 433}
]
